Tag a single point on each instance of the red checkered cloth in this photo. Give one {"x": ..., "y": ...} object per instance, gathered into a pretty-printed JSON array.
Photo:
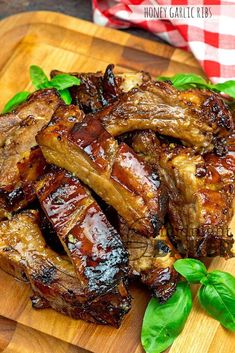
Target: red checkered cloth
[{"x": 212, "y": 41}]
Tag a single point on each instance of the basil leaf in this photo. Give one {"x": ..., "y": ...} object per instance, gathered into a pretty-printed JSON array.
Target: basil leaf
[
  {"x": 217, "y": 297},
  {"x": 182, "y": 79},
  {"x": 163, "y": 322},
  {"x": 227, "y": 87},
  {"x": 186, "y": 81},
  {"x": 15, "y": 101},
  {"x": 66, "y": 96},
  {"x": 63, "y": 81},
  {"x": 193, "y": 270},
  {"x": 60, "y": 82},
  {"x": 38, "y": 77}
]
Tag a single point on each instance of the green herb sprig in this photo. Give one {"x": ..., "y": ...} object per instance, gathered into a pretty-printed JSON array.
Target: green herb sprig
[
  {"x": 217, "y": 292},
  {"x": 17, "y": 99},
  {"x": 61, "y": 83},
  {"x": 162, "y": 323},
  {"x": 186, "y": 81}
]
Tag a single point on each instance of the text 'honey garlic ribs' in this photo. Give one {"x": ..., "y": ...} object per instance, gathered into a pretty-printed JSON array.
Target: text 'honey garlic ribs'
[
  {"x": 113, "y": 171},
  {"x": 152, "y": 260},
  {"x": 24, "y": 254},
  {"x": 196, "y": 117},
  {"x": 17, "y": 136},
  {"x": 201, "y": 193},
  {"x": 93, "y": 245}
]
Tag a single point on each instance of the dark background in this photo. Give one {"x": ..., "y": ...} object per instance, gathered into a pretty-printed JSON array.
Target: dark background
[{"x": 77, "y": 8}]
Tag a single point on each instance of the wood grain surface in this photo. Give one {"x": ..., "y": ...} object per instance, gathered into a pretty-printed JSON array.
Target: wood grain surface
[
  {"x": 56, "y": 41},
  {"x": 76, "y": 8}
]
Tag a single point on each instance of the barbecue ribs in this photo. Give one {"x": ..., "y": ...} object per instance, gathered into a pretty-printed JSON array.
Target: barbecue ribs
[
  {"x": 98, "y": 90},
  {"x": 24, "y": 254},
  {"x": 152, "y": 260},
  {"x": 196, "y": 117},
  {"x": 17, "y": 136},
  {"x": 113, "y": 171},
  {"x": 201, "y": 193},
  {"x": 93, "y": 245}
]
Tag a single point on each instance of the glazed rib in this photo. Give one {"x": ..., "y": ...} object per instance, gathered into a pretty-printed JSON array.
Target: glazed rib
[
  {"x": 24, "y": 253},
  {"x": 152, "y": 260},
  {"x": 93, "y": 245},
  {"x": 113, "y": 171},
  {"x": 98, "y": 90},
  {"x": 196, "y": 117},
  {"x": 201, "y": 193},
  {"x": 31, "y": 168},
  {"x": 17, "y": 136}
]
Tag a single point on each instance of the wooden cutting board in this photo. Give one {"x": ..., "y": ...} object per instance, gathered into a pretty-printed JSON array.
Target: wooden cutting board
[{"x": 55, "y": 41}]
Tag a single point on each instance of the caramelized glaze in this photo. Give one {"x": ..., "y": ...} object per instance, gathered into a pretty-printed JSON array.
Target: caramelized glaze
[{"x": 93, "y": 245}]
